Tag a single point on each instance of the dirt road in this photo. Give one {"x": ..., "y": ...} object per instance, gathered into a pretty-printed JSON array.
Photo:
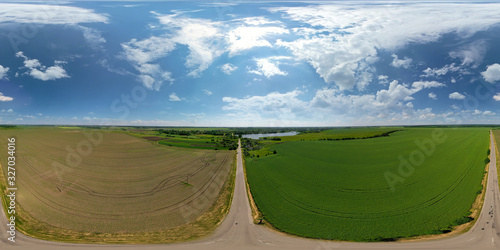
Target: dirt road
[{"x": 238, "y": 232}]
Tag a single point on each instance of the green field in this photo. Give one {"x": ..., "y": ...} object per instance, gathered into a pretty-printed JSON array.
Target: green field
[
  {"x": 81, "y": 185},
  {"x": 496, "y": 134},
  {"x": 342, "y": 133},
  {"x": 371, "y": 190}
]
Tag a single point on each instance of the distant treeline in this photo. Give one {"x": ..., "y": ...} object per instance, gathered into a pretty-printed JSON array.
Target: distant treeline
[
  {"x": 7, "y": 126},
  {"x": 237, "y": 131},
  {"x": 357, "y": 138}
]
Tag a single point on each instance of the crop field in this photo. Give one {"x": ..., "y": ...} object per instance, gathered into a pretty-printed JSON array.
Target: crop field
[
  {"x": 496, "y": 134},
  {"x": 342, "y": 133},
  {"x": 414, "y": 182},
  {"x": 262, "y": 147},
  {"x": 90, "y": 183},
  {"x": 184, "y": 139}
]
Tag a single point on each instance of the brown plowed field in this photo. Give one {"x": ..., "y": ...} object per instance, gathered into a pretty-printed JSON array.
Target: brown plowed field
[{"x": 98, "y": 182}]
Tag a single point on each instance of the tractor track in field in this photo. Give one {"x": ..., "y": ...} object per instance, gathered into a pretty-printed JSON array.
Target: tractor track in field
[
  {"x": 206, "y": 161},
  {"x": 238, "y": 231}
]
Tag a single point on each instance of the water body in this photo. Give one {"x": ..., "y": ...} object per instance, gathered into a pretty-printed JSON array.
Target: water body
[{"x": 258, "y": 136}]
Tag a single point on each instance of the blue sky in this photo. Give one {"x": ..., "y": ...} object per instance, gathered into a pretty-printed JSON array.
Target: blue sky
[{"x": 237, "y": 63}]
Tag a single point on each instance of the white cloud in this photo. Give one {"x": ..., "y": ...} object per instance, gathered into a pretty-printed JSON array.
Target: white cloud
[
  {"x": 334, "y": 63},
  {"x": 456, "y": 96},
  {"x": 332, "y": 103},
  {"x": 205, "y": 39},
  {"x": 245, "y": 38},
  {"x": 147, "y": 50},
  {"x": 492, "y": 73},
  {"x": 432, "y": 96},
  {"x": 93, "y": 37},
  {"x": 348, "y": 43},
  {"x": 440, "y": 71},
  {"x": 267, "y": 67},
  {"x": 10, "y": 110},
  {"x": 143, "y": 53},
  {"x": 471, "y": 54},
  {"x": 48, "y": 14},
  {"x": 228, "y": 68},
  {"x": 174, "y": 98},
  {"x": 497, "y": 97},
  {"x": 427, "y": 84},
  {"x": 276, "y": 105},
  {"x": 41, "y": 72},
  {"x": 383, "y": 79},
  {"x": 488, "y": 112},
  {"x": 3, "y": 72},
  {"x": 207, "y": 92},
  {"x": 258, "y": 20},
  {"x": 401, "y": 63},
  {"x": 201, "y": 36},
  {"x": 4, "y": 98}
]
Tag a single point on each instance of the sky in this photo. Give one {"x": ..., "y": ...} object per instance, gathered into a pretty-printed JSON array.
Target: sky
[{"x": 246, "y": 63}]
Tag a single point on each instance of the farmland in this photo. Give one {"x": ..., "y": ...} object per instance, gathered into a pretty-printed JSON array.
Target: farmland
[
  {"x": 258, "y": 148},
  {"x": 496, "y": 134},
  {"x": 81, "y": 185},
  {"x": 376, "y": 189},
  {"x": 204, "y": 138}
]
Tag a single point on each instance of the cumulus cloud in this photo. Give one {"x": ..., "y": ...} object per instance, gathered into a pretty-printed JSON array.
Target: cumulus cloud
[
  {"x": 174, "y": 98},
  {"x": 143, "y": 53},
  {"x": 401, "y": 63},
  {"x": 456, "y": 96},
  {"x": 202, "y": 37},
  {"x": 347, "y": 44},
  {"x": 492, "y": 73},
  {"x": 331, "y": 102},
  {"x": 268, "y": 67},
  {"x": 383, "y": 79},
  {"x": 497, "y": 97},
  {"x": 419, "y": 85},
  {"x": 48, "y": 14},
  {"x": 41, "y": 72},
  {"x": 432, "y": 96},
  {"x": 4, "y": 98},
  {"x": 440, "y": 71},
  {"x": 228, "y": 68},
  {"x": 207, "y": 92},
  {"x": 259, "y": 20},
  {"x": 247, "y": 37},
  {"x": 284, "y": 106},
  {"x": 207, "y": 40},
  {"x": 3, "y": 72}
]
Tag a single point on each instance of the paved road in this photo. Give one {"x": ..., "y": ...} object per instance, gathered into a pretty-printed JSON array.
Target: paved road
[{"x": 238, "y": 232}]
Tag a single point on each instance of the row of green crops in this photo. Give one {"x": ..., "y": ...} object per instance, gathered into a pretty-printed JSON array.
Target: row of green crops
[{"x": 354, "y": 190}]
